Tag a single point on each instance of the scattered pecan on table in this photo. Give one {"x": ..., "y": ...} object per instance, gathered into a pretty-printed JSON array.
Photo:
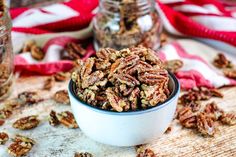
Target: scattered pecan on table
[
  {"x": 36, "y": 52},
  {"x": 21, "y": 146},
  {"x": 61, "y": 76},
  {"x": 173, "y": 65},
  {"x": 26, "y": 123},
  {"x": 53, "y": 120},
  {"x": 61, "y": 96},
  {"x": 205, "y": 124},
  {"x": 83, "y": 154},
  {"x": 222, "y": 62},
  {"x": 48, "y": 83},
  {"x": 1, "y": 122},
  {"x": 29, "y": 97},
  {"x": 145, "y": 152},
  {"x": 231, "y": 73},
  {"x": 228, "y": 118},
  {"x": 75, "y": 51},
  {"x": 3, "y": 138},
  {"x": 129, "y": 79},
  {"x": 67, "y": 119}
]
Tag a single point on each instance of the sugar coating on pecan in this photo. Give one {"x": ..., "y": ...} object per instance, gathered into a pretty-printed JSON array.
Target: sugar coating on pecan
[
  {"x": 26, "y": 123},
  {"x": 206, "y": 126},
  {"x": 61, "y": 96},
  {"x": 129, "y": 79},
  {"x": 3, "y": 138},
  {"x": 53, "y": 120},
  {"x": 228, "y": 118},
  {"x": 67, "y": 118}
]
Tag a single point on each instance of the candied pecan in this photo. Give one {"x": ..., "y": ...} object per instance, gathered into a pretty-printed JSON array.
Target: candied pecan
[
  {"x": 83, "y": 154},
  {"x": 133, "y": 98},
  {"x": 27, "y": 45},
  {"x": 75, "y": 50},
  {"x": 5, "y": 113},
  {"x": 228, "y": 118},
  {"x": 61, "y": 76},
  {"x": 168, "y": 130},
  {"x": 205, "y": 125},
  {"x": 53, "y": 120},
  {"x": 195, "y": 105},
  {"x": 173, "y": 65},
  {"x": 61, "y": 96},
  {"x": 142, "y": 152},
  {"x": 117, "y": 103},
  {"x": 187, "y": 118},
  {"x": 1, "y": 122},
  {"x": 21, "y": 146},
  {"x": 48, "y": 83},
  {"x": 92, "y": 79},
  {"x": 87, "y": 68},
  {"x": 231, "y": 73},
  {"x": 29, "y": 97},
  {"x": 26, "y": 123},
  {"x": 107, "y": 54},
  {"x": 152, "y": 77},
  {"x": 37, "y": 53},
  {"x": 216, "y": 93},
  {"x": 89, "y": 96},
  {"x": 67, "y": 119},
  {"x": 222, "y": 62},
  {"x": 127, "y": 79},
  {"x": 13, "y": 104},
  {"x": 3, "y": 138},
  {"x": 213, "y": 111}
]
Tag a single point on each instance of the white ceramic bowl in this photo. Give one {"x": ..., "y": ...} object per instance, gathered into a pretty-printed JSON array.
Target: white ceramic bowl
[{"x": 125, "y": 128}]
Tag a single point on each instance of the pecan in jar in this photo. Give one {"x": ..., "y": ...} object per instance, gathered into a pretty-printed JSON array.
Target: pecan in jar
[
  {"x": 205, "y": 125},
  {"x": 213, "y": 111},
  {"x": 53, "y": 120},
  {"x": 29, "y": 97},
  {"x": 228, "y": 118},
  {"x": 48, "y": 83},
  {"x": 26, "y": 123},
  {"x": 21, "y": 146},
  {"x": 173, "y": 65},
  {"x": 74, "y": 50},
  {"x": 231, "y": 73},
  {"x": 3, "y": 138},
  {"x": 83, "y": 154},
  {"x": 67, "y": 119},
  {"x": 37, "y": 53},
  {"x": 145, "y": 152},
  {"x": 222, "y": 62},
  {"x": 187, "y": 118},
  {"x": 61, "y": 96}
]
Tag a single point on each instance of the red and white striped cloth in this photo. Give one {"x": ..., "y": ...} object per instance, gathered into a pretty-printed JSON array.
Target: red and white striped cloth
[{"x": 55, "y": 25}]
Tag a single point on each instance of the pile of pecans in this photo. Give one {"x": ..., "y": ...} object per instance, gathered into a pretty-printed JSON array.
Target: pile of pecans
[
  {"x": 226, "y": 65},
  {"x": 120, "y": 26},
  {"x": 126, "y": 80},
  {"x": 192, "y": 114}
]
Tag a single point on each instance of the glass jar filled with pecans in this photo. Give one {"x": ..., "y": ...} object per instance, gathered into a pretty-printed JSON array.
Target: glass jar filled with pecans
[
  {"x": 6, "y": 52},
  {"x": 124, "y": 23}
]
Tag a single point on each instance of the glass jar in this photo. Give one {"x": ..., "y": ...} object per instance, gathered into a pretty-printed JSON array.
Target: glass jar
[
  {"x": 6, "y": 53},
  {"x": 124, "y": 23}
]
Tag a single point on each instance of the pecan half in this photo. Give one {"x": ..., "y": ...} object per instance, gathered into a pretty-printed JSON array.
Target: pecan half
[
  {"x": 21, "y": 146},
  {"x": 14, "y": 103},
  {"x": 27, "y": 45},
  {"x": 133, "y": 98},
  {"x": 5, "y": 113},
  {"x": 67, "y": 119},
  {"x": 205, "y": 125},
  {"x": 92, "y": 79},
  {"x": 231, "y": 73},
  {"x": 173, "y": 65},
  {"x": 228, "y": 118},
  {"x": 37, "y": 53},
  {"x": 216, "y": 93},
  {"x": 87, "y": 68},
  {"x": 75, "y": 50},
  {"x": 222, "y": 62},
  {"x": 29, "y": 97},
  {"x": 48, "y": 83},
  {"x": 142, "y": 152},
  {"x": 61, "y": 96},
  {"x": 1, "y": 122},
  {"x": 187, "y": 118},
  {"x": 83, "y": 154},
  {"x": 53, "y": 120},
  {"x": 213, "y": 111},
  {"x": 117, "y": 103},
  {"x": 61, "y": 76},
  {"x": 3, "y": 138},
  {"x": 26, "y": 123}
]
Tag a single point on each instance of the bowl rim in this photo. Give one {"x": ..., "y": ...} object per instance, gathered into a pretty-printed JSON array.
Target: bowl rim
[{"x": 174, "y": 93}]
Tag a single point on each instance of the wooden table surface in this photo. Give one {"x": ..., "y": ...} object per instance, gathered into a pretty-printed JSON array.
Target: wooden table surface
[{"x": 63, "y": 142}]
